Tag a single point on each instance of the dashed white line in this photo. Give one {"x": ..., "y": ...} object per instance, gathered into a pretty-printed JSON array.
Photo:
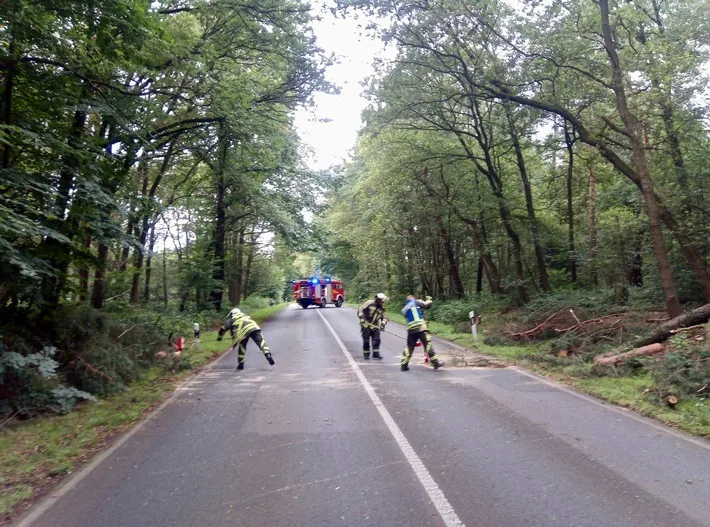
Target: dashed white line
[{"x": 443, "y": 507}]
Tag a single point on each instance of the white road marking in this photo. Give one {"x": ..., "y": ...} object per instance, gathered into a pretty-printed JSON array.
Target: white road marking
[
  {"x": 444, "y": 508},
  {"x": 46, "y": 503}
]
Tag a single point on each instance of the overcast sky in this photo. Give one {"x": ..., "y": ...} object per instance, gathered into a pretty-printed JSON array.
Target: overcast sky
[{"x": 330, "y": 127}]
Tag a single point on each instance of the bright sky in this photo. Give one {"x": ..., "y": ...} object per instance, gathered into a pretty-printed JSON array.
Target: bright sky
[{"x": 330, "y": 127}]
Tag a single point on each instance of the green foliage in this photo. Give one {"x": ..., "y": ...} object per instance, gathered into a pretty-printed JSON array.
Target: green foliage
[
  {"x": 683, "y": 371},
  {"x": 453, "y": 311},
  {"x": 464, "y": 175},
  {"x": 30, "y": 384},
  {"x": 67, "y": 439}
]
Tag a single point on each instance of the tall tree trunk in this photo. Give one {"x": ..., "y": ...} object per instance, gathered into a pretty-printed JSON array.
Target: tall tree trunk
[
  {"x": 633, "y": 129},
  {"x": 183, "y": 300},
  {"x": 592, "y": 227},
  {"x": 148, "y": 216},
  {"x": 479, "y": 277},
  {"x": 10, "y": 73},
  {"x": 57, "y": 253},
  {"x": 534, "y": 228},
  {"x": 666, "y": 104},
  {"x": 165, "y": 271},
  {"x": 237, "y": 274},
  {"x": 148, "y": 261},
  {"x": 489, "y": 171},
  {"x": 247, "y": 270},
  {"x": 141, "y": 236},
  {"x": 690, "y": 253},
  {"x": 126, "y": 250},
  {"x": 217, "y": 292},
  {"x": 486, "y": 259},
  {"x": 455, "y": 283},
  {"x": 84, "y": 273},
  {"x": 572, "y": 264},
  {"x": 99, "y": 289}
]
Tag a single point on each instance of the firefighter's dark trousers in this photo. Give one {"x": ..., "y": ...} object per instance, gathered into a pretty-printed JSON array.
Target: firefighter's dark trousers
[
  {"x": 258, "y": 339},
  {"x": 412, "y": 338},
  {"x": 367, "y": 334}
]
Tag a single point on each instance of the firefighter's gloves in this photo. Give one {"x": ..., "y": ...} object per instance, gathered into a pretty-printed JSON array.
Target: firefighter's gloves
[
  {"x": 270, "y": 359},
  {"x": 383, "y": 322},
  {"x": 429, "y": 299}
]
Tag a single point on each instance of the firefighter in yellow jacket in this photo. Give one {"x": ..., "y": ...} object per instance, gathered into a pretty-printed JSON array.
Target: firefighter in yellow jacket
[
  {"x": 372, "y": 321},
  {"x": 242, "y": 328}
]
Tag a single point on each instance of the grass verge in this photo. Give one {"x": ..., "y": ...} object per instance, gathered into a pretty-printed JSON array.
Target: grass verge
[
  {"x": 692, "y": 416},
  {"x": 35, "y": 455}
]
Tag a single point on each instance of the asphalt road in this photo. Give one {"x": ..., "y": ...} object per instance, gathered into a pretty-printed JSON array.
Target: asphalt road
[{"x": 327, "y": 438}]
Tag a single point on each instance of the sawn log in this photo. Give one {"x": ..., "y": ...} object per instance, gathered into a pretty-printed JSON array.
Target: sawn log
[
  {"x": 697, "y": 316},
  {"x": 651, "y": 349}
]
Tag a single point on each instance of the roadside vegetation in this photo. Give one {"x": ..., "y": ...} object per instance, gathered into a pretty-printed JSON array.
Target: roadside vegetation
[
  {"x": 672, "y": 387},
  {"x": 35, "y": 454}
]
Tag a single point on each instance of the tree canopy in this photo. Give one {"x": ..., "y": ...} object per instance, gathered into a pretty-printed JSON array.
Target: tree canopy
[
  {"x": 533, "y": 147},
  {"x": 127, "y": 126}
]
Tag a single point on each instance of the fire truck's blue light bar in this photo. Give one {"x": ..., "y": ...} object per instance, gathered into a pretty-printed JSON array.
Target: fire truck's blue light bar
[
  {"x": 314, "y": 281},
  {"x": 327, "y": 279}
]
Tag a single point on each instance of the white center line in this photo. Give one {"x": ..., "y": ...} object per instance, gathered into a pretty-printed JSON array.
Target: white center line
[{"x": 444, "y": 508}]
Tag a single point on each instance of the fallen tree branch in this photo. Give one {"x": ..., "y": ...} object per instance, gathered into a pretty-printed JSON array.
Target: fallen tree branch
[
  {"x": 588, "y": 323},
  {"x": 699, "y": 315},
  {"x": 698, "y": 326},
  {"x": 129, "y": 329},
  {"x": 534, "y": 332},
  {"x": 95, "y": 370},
  {"x": 116, "y": 296},
  {"x": 614, "y": 360},
  {"x": 13, "y": 415}
]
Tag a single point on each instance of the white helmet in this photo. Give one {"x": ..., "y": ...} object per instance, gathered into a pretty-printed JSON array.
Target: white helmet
[
  {"x": 381, "y": 297},
  {"x": 234, "y": 312}
]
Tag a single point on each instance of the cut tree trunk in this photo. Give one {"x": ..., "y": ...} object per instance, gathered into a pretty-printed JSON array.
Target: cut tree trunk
[
  {"x": 699, "y": 315},
  {"x": 614, "y": 360}
]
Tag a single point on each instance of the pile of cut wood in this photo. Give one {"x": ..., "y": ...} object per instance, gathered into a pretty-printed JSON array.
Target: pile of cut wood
[
  {"x": 566, "y": 321},
  {"x": 653, "y": 344}
]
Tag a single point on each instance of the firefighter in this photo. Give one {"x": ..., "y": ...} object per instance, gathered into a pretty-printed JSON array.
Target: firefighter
[
  {"x": 372, "y": 321},
  {"x": 242, "y": 328},
  {"x": 417, "y": 330}
]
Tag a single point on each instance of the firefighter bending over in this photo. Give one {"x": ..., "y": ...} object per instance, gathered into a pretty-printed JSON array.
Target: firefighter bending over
[
  {"x": 242, "y": 328},
  {"x": 417, "y": 331},
  {"x": 372, "y": 321}
]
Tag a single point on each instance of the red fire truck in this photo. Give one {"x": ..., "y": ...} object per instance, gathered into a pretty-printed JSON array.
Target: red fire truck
[{"x": 319, "y": 292}]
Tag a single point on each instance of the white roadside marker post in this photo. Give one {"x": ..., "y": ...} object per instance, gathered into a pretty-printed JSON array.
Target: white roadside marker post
[
  {"x": 472, "y": 321},
  {"x": 196, "y": 326}
]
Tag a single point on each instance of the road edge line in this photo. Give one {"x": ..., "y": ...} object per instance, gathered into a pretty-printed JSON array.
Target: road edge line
[
  {"x": 37, "y": 510},
  {"x": 613, "y": 407},
  {"x": 443, "y": 507}
]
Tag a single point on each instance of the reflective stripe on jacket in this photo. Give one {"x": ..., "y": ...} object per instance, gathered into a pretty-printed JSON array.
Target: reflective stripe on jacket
[
  {"x": 240, "y": 327},
  {"x": 413, "y": 313},
  {"x": 371, "y": 315}
]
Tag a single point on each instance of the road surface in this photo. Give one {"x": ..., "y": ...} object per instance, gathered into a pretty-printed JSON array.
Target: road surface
[{"x": 325, "y": 438}]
